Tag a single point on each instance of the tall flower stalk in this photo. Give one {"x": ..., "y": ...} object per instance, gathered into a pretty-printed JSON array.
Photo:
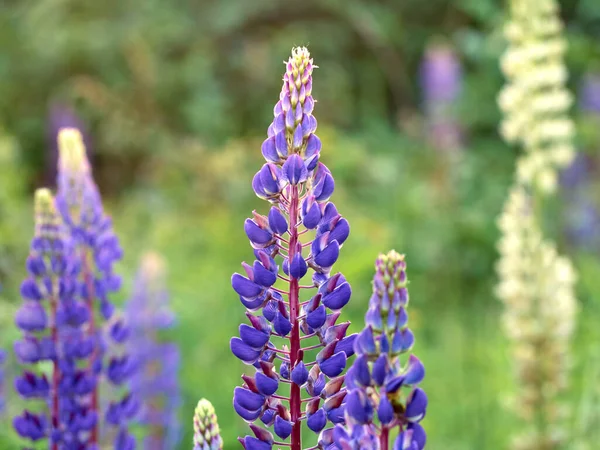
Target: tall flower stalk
[
  {"x": 302, "y": 233},
  {"x": 536, "y": 284},
  {"x": 383, "y": 399},
  {"x": 155, "y": 380},
  {"x": 535, "y": 100},
  {"x": 53, "y": 321},
  {"x": 80, "y": 206}
]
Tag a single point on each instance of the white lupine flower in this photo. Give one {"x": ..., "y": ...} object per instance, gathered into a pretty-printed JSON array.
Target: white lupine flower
[
  {"x": 535, "y": 101},
  {"x": 537, "y": 288}
]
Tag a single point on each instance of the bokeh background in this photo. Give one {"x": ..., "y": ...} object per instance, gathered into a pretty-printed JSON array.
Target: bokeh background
[{"x": 176, "y": 97}]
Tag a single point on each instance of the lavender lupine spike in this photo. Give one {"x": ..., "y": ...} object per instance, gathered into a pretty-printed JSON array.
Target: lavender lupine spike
[
  {"x": 206, "y": 427},
  {"x": 299, "y": 187},
  {"x": 80, "y": 206},
  {"x": 377, "y": 378},
  {"x": 52, "y": 320},
  {"x": 155, "y": 380},
  {"x": 2, "y": 398},
  {"x": 441, "y": 83}
]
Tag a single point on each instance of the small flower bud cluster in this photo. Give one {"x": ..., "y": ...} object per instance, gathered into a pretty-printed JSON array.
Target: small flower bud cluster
[
  {"x": 302, "y": 233},
  {"x": 382, "y": 391},
  {"x": 155, "y": 380},
  {"x": 206, "y": 428},
  {"x": 535, "y": 101},
  {"x": 537, "y": 288}
]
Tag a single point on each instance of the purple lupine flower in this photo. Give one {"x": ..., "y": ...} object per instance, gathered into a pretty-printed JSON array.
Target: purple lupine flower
[
  {"x": 582, "y": 217},
  {"x": 441, "y": 84},
  {"x": 2, "y": 398},
  {"x": 155, "y": 380},
  {"x": 589, "y": 97},
  {"x": 302, "y": 233},
  {"x": 52, "y": 321},
  {"x": 80, "y": 206},
  {"x": 382, "y": 393}
]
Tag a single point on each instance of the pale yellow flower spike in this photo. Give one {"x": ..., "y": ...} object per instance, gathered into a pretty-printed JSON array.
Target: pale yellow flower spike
[
  {"x": 535, "y": 101},
  {"x": 72, "y": 151}
]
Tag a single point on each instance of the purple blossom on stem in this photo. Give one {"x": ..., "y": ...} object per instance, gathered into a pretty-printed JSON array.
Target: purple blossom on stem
[
  {"x": 155, "y": 380},
  {"x": 52, "y": 320},
  {"x": 382, "y": 392},
  {"x": 80, "y": 206},
  {"x": 302, "y": 233}
]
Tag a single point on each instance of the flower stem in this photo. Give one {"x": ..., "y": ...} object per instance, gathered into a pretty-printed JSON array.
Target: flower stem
[
  {"x": 384, "y": 438},
  {"x": 295, "y": 398}
]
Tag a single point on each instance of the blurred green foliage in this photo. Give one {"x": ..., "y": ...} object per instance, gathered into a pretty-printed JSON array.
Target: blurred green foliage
[{"x": 178, "y": 96}]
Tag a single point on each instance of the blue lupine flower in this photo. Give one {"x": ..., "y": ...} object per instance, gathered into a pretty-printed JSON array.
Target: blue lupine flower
[
  {"x": 155, "y": 380},
  {"x": 80, "y": 206},
  {"x": 382, "y": 393},
  {"x": 52, "y": 319},
  {"x": 298, "y": 186}
]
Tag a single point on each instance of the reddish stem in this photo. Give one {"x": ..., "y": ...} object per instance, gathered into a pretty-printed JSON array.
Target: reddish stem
[
  {"x": 88, "y": 277},
  {"x": 55, "y": 368},
  {"x": 295, "y": 397},
  {"x": 384, "y": 438}
]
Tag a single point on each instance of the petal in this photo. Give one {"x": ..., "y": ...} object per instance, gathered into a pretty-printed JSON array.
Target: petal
[
  {"x": 256, "y": 234},
  {"x": 282, "y": 428},
  {"x": 266, "y": 385},
  {"x": 333, "y": 366},
  {"x": 300, "y": 374},
  {"x": 244, "y": 287},
  {"x": 252, "y": 337},
  {"x": 243, "y": 351},
  {"x": 317, "y": 421},
  {"x": 414, "y": 372},
  {"x": 339, "y": 297},
  {"x": 277, "y": 221}
]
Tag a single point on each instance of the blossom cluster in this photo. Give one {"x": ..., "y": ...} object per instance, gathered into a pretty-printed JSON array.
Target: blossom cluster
[
  {"x": 535, "y": 101},
  {"x": 69, "y": 330},
  {"x": 382, "y": 393},
  {"x": 537, "y": 288},
  {"x": 155, "y": 381},
  {"x": 301, "y": 234}
]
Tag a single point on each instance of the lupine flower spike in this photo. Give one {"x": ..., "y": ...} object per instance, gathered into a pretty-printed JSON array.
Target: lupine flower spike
[
  {"x": 53, "y": 321},
  {"x": 536, "y": 284},
  {"x": 80, "y": 206},
  {"x": 301, "y": 234},
  {"x": 441, "y": 83},
  {"x": 382, "y": 391},
  {"x": 537, "y": 288},
  {"x": 206, "y": 428},
  {"x": 535, "y": 100},
  {"x": 155, "y": 380},
  {"x": 2, "y": 398}
]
